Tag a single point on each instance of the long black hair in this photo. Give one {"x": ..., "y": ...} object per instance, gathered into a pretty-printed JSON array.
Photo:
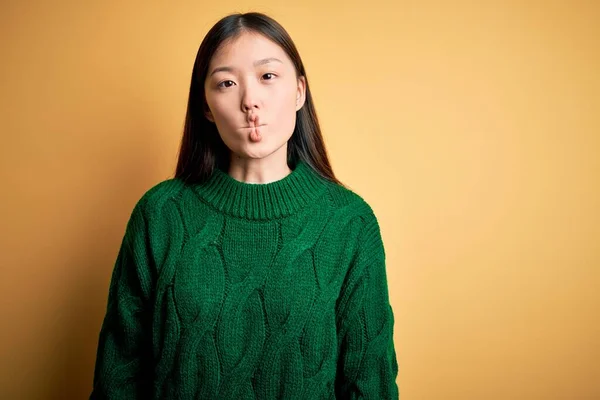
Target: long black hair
[{"x": 202, "y": 148}]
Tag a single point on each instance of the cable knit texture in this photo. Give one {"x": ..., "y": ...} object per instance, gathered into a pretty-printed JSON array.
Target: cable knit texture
[{"x": 231, "y": 290}]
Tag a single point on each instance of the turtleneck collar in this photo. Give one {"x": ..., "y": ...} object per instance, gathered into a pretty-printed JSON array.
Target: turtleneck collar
[{"x": 262, "y": 201}]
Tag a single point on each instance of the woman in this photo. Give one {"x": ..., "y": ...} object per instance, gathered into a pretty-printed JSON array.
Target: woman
[{"x": 253, "y": 273}]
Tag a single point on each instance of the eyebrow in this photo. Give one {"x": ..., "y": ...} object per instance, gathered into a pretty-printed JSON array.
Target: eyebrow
[{"x": 256, "y": 64}]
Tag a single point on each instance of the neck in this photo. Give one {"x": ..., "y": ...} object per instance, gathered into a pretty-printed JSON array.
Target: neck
[{"x": 263, "y": 170}]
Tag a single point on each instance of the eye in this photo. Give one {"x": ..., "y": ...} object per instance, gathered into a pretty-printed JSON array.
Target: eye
[
  {"x": 220, "y": 85},
  {"x": 269, "y": 73}
]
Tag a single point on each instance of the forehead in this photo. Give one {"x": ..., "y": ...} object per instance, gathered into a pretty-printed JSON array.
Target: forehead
[{"x": 247, "y": 48}]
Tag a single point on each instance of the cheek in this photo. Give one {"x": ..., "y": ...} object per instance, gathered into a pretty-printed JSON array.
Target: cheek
[
  {"x": 220, "y": 109},
  {"x": 284, "y": 103},
  {"x": 286, "y": 110}
]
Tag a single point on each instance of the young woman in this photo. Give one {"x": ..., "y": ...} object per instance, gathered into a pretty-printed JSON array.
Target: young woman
[{"x": 253, "y": 273}]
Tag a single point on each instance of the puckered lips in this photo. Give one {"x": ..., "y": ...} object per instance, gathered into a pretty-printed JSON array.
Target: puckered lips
[{"x": 254, "y": 128}]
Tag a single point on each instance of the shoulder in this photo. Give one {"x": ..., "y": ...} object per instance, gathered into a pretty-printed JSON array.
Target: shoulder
[
  {"x": 366, "y": 230},
  {"x": 368, "y": 233},
  {"x": 159, "y": 195},
  {"x": 346, "y": 200}
]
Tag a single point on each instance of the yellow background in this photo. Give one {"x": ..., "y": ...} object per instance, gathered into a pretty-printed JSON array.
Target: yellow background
[{"x": 472, "y": 128}]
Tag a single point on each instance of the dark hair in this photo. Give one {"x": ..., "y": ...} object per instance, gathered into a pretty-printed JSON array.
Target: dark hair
[{"x": 202, "y": 148}]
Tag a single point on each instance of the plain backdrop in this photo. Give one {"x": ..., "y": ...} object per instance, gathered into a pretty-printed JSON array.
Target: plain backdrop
[{"x": 472, "y": 128}]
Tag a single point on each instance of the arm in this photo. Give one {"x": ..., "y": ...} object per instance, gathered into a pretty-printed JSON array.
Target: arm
[
  {"x": 123, "y": 361},
  {"x": 367, "y": 366}
]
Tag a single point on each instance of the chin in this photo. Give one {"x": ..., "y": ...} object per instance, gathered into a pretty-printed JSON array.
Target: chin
[
  {"x": 258, "y": 150},
  {"x": 256, "y": 154}
]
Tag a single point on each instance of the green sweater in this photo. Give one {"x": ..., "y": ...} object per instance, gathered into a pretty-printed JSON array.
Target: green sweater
[{"x": 231, "y": 290}]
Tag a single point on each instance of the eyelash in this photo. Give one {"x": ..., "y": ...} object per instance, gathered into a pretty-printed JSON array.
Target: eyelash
[{"x": 223, "y": 87}]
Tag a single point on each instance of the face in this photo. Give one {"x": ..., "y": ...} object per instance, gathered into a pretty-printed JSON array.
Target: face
[{"x": 251, "y": 80}]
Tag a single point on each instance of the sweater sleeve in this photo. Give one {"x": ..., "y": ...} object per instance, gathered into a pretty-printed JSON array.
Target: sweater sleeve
[
  {"x": 123, "y": 360},
  {"x": 367, "y": 365}
]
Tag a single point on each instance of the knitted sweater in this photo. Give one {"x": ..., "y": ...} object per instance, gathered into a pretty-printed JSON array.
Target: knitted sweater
[{"x": 232, "y": 290}]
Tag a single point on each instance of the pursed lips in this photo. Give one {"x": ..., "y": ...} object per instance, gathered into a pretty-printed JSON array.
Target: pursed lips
[{"x": 249, "y": 127}]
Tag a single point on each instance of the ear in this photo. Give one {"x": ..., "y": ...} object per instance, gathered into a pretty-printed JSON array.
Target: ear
[
  {"x": 208, "y": 114},
  {"x": 301, "y": 92}
]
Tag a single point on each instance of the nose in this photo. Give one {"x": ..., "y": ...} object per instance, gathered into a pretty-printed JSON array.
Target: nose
[
  {"x": 247, "y": 107},
  {"x": 250, "y": 99}
]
